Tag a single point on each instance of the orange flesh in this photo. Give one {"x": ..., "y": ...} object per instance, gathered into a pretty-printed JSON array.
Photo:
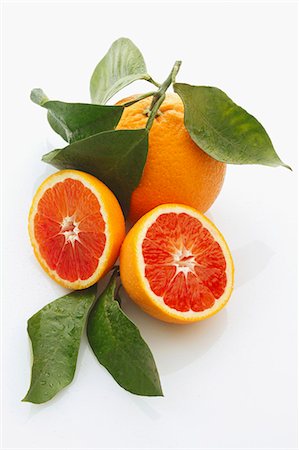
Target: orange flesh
[
  {"x": 183, "y": 263},
  {"x": 70, "y": 230}
]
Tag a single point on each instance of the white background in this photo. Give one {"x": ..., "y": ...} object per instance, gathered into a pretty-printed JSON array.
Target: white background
[{"x": 229, "y": 382}]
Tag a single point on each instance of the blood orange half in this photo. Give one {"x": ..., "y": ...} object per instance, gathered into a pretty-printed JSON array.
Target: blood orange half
[
  {"x": 76, "y": 228},
  {"x": 176, "y": 265}
]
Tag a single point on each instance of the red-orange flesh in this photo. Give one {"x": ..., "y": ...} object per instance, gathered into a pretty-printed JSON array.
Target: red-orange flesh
[
  {"x": 183, "y": 263},
  {"x": 70, "y": 230}
]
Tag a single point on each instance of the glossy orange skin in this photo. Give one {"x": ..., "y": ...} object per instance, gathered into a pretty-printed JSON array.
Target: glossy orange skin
[{"x": 176, "y": 170}]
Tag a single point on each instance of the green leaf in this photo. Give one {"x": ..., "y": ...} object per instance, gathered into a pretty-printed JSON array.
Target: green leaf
[
  {"x": 76, "y": 121},
  {"x": 39, "y": 97},
  {"x": 122, "y": 64},
  {"x": 223, "y": 129},
  {"x": 119, "y": 347},
  {"x": 115, "y": 157},
  {"x": 55, "y": 332}
]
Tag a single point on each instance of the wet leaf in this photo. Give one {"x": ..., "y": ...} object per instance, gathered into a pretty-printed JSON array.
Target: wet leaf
[
  {"x": 55, "y": 332},
  {"x": 119, "y": 346}
]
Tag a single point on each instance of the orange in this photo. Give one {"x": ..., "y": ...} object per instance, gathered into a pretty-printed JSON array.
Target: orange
[
  {"x": 176, "y": 265},
  {"x": 176, "y": 170},
  {"x": 76, "y": 228}
]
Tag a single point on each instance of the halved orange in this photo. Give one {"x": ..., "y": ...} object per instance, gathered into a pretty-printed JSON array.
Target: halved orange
[
  {"x": 76, "y": 228},
  {"x": 176, "y": 265}
]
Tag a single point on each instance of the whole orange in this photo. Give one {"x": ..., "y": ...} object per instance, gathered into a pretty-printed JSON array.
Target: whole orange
[{"x": 176, "y": 169}]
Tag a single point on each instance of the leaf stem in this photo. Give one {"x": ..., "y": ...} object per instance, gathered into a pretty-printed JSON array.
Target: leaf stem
[
  {"x": 155, "y": 83},
  {"x": 137, "y": 99},
  {"x": 115, "y": 271},
  {"x": 153, "y": 111},
  {"x": 159, "y": 95},
  {"x": 117, "y": 296}
]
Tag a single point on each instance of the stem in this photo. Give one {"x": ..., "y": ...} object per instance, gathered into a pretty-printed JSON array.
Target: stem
[
  {"x": 115, "y": 270},
  {"x": 153, "y": 111},
  {"x": 155, "y": 83},
  {"x": 117, "y": 296},
  {"x": 137, "y": 99},
  {"x": 159, "y": 95}
]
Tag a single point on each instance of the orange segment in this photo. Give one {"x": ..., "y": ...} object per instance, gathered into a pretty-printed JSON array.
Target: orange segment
[
  {"x": 176, "y": 265},
  {"x": 87, "y": 262},
  {"x": 50, "y": 250},
  {"x": 66, "y": 266},
  {"x": 76, "y": 227}
]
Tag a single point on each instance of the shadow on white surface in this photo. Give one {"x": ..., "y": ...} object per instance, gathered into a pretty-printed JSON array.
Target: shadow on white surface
[
  {"x": 46, "y": 146},
  {"x": 251, "y": 260},
  {"x": 176, "y": 346},
  {"x": 143, "y": 404},
  {"x": 48, "y": 170}
]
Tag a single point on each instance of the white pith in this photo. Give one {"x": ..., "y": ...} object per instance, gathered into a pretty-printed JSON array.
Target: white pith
[
  {"x": 181, "y": 263},
  {"x": 185, "y": 266},
  {"x": 70, "y": 235}
]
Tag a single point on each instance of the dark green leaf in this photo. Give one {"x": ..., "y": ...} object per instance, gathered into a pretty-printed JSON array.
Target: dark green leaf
[
  {"x": 119, "y": 347},
  {"x": 115, "y": 157},
  {"x": 75, "y": 121},
  {"x": 223, "y": 129},
  {"x": 122, "y": 64},
  {"x": 55, "y": 332}
]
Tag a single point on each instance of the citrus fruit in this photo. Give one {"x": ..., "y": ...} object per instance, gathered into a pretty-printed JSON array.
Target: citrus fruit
[
  {"x": 175, "y": 264},
  {"x": 176, "y": 170},
  {"x": 76, "y": 228}
]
